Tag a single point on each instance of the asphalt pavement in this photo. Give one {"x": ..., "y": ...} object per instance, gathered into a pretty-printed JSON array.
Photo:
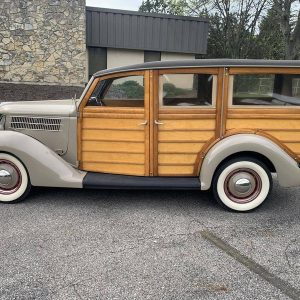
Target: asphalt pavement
[{"x": 114, "y": 244}]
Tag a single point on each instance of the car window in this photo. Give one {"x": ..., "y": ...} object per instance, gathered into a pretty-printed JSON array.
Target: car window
[
  {"x": 187, "y": 89},
  {"x": 266, "y": 89},
  {"x": 119, "y": 92}
]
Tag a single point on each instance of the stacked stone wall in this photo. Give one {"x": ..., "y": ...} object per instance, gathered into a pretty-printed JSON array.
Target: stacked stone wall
[{"x": 43, "y": 42}]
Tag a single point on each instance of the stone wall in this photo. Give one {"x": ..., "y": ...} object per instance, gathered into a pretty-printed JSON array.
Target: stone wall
[{"x": 43, "y": 41}]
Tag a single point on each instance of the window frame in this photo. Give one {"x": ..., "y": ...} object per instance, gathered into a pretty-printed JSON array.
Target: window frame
[
  {"x": 96, "y": 81},
  {"x": 199, "y": 70},
  {"x": 255, "y": 71}
]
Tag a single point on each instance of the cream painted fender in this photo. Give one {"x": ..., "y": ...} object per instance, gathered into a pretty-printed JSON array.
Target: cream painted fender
[
  {"x": 44, "y": 166},
  {"x": 288, "y": 171}
]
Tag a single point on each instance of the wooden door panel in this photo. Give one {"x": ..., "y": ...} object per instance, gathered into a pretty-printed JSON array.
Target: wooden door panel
[
  {"x": 185, "y": 130},
  {"x": 124, "y": 169},
  {"x": 113, "y": 135},
  {"x": 114, "y": 139},
  {"x": 113, "y": 147}
]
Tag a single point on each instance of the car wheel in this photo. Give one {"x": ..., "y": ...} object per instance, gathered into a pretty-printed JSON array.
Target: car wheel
[
  {"x": 242, "y": 184},
  {"x": 14, "y": 179}
]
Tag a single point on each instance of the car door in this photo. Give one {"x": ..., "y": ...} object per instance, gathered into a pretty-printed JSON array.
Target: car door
[
  {"x": 113, "y": 125},
  {"x": 185, "y": 118}
]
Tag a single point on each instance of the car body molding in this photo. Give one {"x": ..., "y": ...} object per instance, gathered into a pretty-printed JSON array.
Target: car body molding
[
  {"x": 44, "y": 166},
  {"x": 287, "y": 169}
]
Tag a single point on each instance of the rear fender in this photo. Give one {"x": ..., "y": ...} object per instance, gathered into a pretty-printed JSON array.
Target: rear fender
[
  {"x": 45, "y": 167},
  {"x": 287, "y": 168}
]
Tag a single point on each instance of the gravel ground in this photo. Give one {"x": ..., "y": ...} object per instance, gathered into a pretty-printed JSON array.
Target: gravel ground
[{"x": 76, "y": 244}]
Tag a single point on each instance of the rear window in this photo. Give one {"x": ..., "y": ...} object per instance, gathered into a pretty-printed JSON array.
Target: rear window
[{"x": 265, "y": 89}]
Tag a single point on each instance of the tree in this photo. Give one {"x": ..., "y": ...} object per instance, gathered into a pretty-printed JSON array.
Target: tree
[
  {"x": 289, "y": 21},
  {"x": 270, "y": 44},
  {"x": 233, "y": 25},
  {"x": 243, "y": 28},
  {"x": 172, "y": 7}
]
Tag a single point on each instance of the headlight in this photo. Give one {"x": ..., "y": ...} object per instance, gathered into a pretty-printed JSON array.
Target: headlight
[{"x": 2, "y": 122}]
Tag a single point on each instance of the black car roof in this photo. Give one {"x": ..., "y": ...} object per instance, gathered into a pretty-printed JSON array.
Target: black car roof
[{"x": 202, "y": 63}]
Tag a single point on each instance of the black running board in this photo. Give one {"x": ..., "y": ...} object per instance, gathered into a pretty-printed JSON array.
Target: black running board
[{"x": 110, "y": 181}]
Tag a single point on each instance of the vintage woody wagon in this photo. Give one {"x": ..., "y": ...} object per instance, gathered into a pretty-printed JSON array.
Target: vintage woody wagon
[{"x": 223, "y": 125}]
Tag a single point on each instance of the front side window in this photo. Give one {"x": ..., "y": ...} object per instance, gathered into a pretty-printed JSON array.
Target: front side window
[
  {"x": 187, "y": 89},
  {"x": 266, "y": 89},
  {"x": 119, "y": 92}
]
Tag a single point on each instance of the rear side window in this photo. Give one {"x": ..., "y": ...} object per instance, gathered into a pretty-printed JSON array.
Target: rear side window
[
  {"x": 179, "y": 90},
  {"x": 266, "y": 89}
]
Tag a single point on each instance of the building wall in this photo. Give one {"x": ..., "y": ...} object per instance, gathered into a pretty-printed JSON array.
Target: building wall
[
  {"x": 176, "y": 56},
  {"x": 43, "y": 42},
  {"x": 123, "y": 57}
]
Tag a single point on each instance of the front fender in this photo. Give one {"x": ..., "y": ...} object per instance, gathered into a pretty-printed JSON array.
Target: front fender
[
  {"x": 287, "y": 169},
  {"x": 44, "y": 166}
]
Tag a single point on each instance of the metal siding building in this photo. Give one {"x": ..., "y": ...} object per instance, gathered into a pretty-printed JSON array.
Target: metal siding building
[
  {"x": 118, "y": 37},
  {"x": 141, "y": 31}
]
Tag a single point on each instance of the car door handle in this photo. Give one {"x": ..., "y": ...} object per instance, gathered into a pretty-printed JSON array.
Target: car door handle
[
  {"x": 143, "y": 123},
  {"x": 156, "y": 122}
]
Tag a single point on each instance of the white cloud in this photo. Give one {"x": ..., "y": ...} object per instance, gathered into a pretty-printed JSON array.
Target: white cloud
[{"x": 116, "y": 4}]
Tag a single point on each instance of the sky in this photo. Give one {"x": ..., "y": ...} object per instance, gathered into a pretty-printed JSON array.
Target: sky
[{"x": 117, "y": 4}]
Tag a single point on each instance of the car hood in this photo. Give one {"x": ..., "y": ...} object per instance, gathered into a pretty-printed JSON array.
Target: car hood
[{"x": 66, "y": 108}]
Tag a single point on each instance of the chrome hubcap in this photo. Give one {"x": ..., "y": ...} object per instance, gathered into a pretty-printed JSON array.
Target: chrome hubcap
[
  {"x": 242, "y": 185},
  {"x": 10, "y": 177}
]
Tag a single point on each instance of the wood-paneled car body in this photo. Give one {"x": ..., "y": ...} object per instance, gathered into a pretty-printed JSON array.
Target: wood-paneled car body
[{"x": 224, "y": 125}]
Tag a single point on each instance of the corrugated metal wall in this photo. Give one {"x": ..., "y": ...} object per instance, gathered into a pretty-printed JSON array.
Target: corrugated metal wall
[{"x": 135, "y": 30}]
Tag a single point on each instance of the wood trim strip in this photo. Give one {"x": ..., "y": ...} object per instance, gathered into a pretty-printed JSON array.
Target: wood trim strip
[
  {"x": 224, "y": 101},
  {"x": 178, "y": 153},
  {"x": 147, "y": 96},
  {"x": 219, "y": 106},
  {"x": 177, "y": 164},
  {"x": 107, "y": 128},
  {"x": 196, "y": 70},
  {"x": 113, "y": 110},
  {"x": 263, "y": 110},
  {"x": 197, "y": 111},
  {"x": 106, "y": 140},
  {"x": 263, "y": 70},
  {"x": 186, "y": 117},
  {"x": 182, "y": 141},
  {"x": 113, "y": 151},
  {"x": 155, "y": 116},
  {"x": 264, "y": 116},
  {"x": 188, "y": 129},
  {"x": 284, "y": 129},
  {"x": 115, "y": 116},
  {"x": 113, "y": 162},
  {"x": 123, "y": 74}
]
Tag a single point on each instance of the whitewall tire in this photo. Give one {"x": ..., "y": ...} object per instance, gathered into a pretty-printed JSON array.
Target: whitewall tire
[
  {"x": 242, "y": 184},
  {"x": 14, "y": 179}
]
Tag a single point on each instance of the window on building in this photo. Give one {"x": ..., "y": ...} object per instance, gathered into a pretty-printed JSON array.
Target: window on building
[
  {"x": 97, "y": 59},
  {"x": 266, "y": 89},
  {"x": 187, "y": 89},
  {"x": 152, "y": 56},
  {"x": 119, "y": 92}
]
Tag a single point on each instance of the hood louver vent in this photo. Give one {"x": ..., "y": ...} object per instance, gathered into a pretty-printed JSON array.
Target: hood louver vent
[{"x": 29, "y": 123}]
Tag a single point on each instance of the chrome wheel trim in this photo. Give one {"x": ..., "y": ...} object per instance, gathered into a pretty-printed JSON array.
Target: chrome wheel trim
[
  {"x": 10, "y": 177},
  {"x": 242, "y": 185}
]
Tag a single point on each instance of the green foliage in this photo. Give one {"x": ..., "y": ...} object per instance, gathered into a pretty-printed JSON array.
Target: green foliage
[
  {"x": 131, "y": 89},
  {"x": 270, "y": 44},
  {"x": 172, "y": 7},
  {"x": 172, "y": 91}
]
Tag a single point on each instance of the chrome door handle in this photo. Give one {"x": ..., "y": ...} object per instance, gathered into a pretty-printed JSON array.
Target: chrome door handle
[
  {"x": 156, "y": 122},
  {"x": 143, "y": 123}
]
